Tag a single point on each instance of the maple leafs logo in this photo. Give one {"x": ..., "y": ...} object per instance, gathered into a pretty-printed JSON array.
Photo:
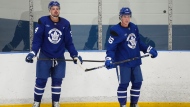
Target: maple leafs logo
[
  {"x": 54, "y": 36},
  {"x": 131, "y": 39}
]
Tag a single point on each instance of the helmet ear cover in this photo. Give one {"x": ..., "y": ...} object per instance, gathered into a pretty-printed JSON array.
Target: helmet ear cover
[{"x": 53, "y": 3}]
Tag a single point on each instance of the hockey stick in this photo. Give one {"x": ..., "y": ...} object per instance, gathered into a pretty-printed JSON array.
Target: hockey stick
[
  {"x": 79, "y": 64},
  {"x": 87, "y": 60},
  {"x": 116, "y": 63},
  {"x": 72, "y": 60}
]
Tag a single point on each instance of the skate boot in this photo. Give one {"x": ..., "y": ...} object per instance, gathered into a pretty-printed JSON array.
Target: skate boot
[
  {"x": 55, "y": 104},
  {"x": 123, "y": 106},
  {"x": 133, "y": 105},
  {"x": 36, "y": 104}
]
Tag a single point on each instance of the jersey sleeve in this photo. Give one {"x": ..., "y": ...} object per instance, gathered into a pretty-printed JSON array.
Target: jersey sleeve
[
  {"x": 69, "y": 42},
  {"x": 113, "y": 41},
  {"x": 38, "y": 37}
]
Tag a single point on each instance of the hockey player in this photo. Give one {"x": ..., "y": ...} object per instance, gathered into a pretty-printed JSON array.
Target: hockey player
[
  {"x": 124, "y": 43},
  {"x": 52, "y": 36}
]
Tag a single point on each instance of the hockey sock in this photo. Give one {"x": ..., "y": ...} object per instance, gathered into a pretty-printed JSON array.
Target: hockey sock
[
  {"x": 56, "y": 89},
  {"x": 39, "y": 89},
  {"x": 135, "y": 92},
  {"x": 122, "y": 93}
]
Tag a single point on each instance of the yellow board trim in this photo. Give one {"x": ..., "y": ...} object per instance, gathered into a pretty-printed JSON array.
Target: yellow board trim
[{"x": 106, "y": 104}]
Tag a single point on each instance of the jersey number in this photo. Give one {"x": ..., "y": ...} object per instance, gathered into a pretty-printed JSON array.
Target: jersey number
[
  {"x": 110, "y": 40},
  {"x": 36, "y": 29}
]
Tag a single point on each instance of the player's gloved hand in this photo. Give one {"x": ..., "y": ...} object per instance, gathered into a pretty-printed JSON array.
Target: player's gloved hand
[
  {"x": 152, "y": 51},
  {"x": 29, "y": 57},
  {"x": 77, "y": 59},
  {"x": 108, "y": 63}
]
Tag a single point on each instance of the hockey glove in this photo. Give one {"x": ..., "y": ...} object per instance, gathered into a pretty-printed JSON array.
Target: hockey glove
[
  {"x": 76, "y": 58},
  {"x": 29, "y": 57},
  {"x": 108, "y": 63},
  {"x": 152, "y": 51}
]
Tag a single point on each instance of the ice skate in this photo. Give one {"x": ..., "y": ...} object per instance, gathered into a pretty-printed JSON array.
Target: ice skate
[
  {"x": 55, "y": 104},
  {"x": 123, "y": 106},
  {"x": 133, "y": 105},
  {"x": 36, "y": 104}
]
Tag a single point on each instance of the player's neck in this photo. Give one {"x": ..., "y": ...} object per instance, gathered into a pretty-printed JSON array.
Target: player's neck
[
  {"x": 124, "y": 25},
  {"x": 54, "y": 19}
]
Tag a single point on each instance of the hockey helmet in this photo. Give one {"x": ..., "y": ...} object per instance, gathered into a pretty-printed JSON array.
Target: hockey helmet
[
  {"x": 53, "y": 3},
  {"x": 125, "y": 11}
]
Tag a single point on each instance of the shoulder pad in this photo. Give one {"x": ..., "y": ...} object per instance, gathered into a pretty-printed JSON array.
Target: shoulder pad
[
  {"x": 113, "y": 33},
  {"x": 69, "y": 26},
  {"x": 133, "y": 25},
  {"x": 39, "y": 21},
  {"x": 42, "y": 19}
]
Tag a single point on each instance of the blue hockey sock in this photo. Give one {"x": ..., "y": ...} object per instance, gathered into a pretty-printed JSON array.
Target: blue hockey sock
[
  {"x": 135, "y": 92},
  {"x": 39, "y": 89},
  {"x": 122, "y": 93},
  {"x": 56, "y": 89}
]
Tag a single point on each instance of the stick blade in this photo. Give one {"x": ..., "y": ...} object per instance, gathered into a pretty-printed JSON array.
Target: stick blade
[
  {"x": 86, "y": 70},
  {"x": 90, "y": 69}
]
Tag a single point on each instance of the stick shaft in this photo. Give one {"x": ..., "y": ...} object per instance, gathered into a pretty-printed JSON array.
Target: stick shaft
[
  {"x": 87, "y": 60},
  {"x": 72, "y": 60},
  {"x": 128, "y": 60},
  {"x": 116, "y": 63}
]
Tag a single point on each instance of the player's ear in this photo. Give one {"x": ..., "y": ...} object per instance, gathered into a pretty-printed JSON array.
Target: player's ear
[{"x": 119, "y": 17}]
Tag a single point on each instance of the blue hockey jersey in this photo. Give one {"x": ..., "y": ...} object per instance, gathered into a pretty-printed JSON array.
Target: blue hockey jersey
[
  {"x": 124, "y": 43},
  {"x": 52, "y": 38}
]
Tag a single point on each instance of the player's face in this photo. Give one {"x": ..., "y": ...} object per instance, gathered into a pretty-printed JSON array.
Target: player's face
[
  {"x": 125, "y": 19},
  {"x": 55, "y": 11}
]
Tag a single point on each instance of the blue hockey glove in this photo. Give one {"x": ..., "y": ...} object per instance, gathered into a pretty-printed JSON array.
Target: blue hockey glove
[
  {"x": 76, "y": 58},
  {"x": 29, "y": 57},
  {"x": 108, "y": 63},
  {"x": 152, "y": 51}
]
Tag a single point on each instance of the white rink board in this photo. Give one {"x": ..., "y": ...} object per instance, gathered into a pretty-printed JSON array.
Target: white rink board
[{"x": 166, "y": 79}]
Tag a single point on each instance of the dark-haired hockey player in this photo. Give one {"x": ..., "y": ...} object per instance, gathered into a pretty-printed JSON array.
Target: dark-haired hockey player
[
  {"x": 124, "y": 43},
  {"x": 52, "y": 36}
]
